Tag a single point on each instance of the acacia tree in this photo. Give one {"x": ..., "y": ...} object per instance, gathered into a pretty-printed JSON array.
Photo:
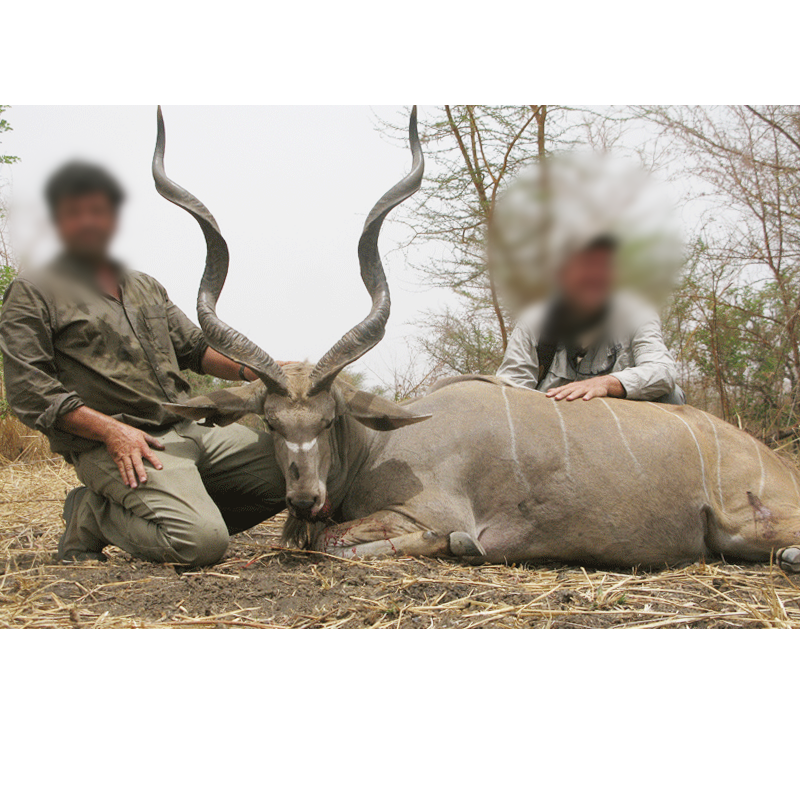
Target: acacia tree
[
  {"x": 7, "y": 265},
  {"x": 741, "y": 299},
  {"x": 491, "y": 144},
  {"x": 472, "y": 153}
]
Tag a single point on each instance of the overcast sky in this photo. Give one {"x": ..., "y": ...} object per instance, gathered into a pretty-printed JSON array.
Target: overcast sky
[{"x": 290, "y": 187}]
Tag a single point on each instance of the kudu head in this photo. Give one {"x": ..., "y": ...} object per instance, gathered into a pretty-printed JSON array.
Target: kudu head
[{"x": 300, "y": 403}]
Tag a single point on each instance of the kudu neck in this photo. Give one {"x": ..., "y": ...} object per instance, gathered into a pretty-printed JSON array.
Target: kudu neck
[{"x": 351, "y": 446}]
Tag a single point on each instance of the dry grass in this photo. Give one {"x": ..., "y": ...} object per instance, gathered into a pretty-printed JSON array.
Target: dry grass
[
  {"x": 259, "y": 585},
  {"x": 19, "y": 443}
]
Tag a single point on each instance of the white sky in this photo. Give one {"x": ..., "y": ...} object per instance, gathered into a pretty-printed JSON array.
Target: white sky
[{"x": 290, "y": 187}]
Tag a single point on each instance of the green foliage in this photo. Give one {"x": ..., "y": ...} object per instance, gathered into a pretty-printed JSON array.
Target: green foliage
[
  {"x": 459, "y": 344},
  {"x": 203, "y": 384},
  {"x": 7, "y": 274},
  {"x": 4, "y": 128},
  {"x": 747, "y": 351},
  {"x": 355, "y": 378},
  {"x": 735, "y": 321},
  {"x": 7, "y": 268}
]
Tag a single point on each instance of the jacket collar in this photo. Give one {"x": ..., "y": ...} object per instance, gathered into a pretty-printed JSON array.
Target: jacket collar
[{"x": 81, "y": 270}]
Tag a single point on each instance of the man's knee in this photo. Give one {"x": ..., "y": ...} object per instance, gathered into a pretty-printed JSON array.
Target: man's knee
[
  {"x": 200, "y": 544},
  {"x": 205, "y": 544}
]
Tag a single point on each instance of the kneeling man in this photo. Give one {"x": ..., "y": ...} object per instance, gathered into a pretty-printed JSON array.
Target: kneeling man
[
  {"x": 91, "y": 353},
  {"x": 590, "y": 341}
]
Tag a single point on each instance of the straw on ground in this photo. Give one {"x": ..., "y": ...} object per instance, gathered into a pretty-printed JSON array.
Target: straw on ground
[{"x": 260, "y": 585}]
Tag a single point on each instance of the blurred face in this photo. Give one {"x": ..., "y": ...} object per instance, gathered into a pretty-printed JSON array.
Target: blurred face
[
  {"x": 85, "y": 224},
  {"x": 587, "y": 280}
]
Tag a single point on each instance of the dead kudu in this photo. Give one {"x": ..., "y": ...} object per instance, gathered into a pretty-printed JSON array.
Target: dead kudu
[{"x": 492, "y": 473}]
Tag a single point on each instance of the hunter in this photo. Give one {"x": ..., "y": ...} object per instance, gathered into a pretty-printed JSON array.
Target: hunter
[
  {"x": 590, "y": 340},
  {"x": 92, "y": 350}
]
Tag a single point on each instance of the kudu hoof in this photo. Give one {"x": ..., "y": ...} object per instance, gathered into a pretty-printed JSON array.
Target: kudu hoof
[
  {"x": 789, "y": 559},
  {"x": 465, "y": 546}
]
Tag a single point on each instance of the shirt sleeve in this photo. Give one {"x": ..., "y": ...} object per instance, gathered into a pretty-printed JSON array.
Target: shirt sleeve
[
  {"x": 33, "y": 389},
  {"x": 654, "y": 371},
  {"x": 521, "y": 363},
  {"x": 187, "y": 339}
]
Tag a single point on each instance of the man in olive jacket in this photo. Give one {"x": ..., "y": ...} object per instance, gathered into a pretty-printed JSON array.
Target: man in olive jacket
[{"x": 91, "y": 353}]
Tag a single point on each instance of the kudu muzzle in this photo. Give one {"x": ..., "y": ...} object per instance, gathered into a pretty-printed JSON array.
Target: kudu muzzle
[{"x": 306, "y": 492}]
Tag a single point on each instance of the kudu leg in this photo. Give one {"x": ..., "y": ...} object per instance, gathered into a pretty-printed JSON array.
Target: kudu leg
[
  {"x": 382, "y": 535},
  {"x": 761, "y": 530}
]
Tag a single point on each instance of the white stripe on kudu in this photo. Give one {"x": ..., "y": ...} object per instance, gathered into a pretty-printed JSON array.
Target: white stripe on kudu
[
  {"x": 696, "y": 443},
  {"x": 794, "y": 480},
  {"x": 760, "y": 464},
  {"x": 563, "y": 437},
  {"x": 622, "y": 435},
  {"x": 512, "y": 431},
  {"x": 301, "y": 447},
  {"x": 719, "y": 464}
]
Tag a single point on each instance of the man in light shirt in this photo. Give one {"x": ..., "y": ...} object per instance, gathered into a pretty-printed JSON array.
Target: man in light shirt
[{"x": 590, "y": 340}]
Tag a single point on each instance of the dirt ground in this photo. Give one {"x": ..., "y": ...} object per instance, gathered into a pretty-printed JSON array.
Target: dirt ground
[{"x": 260, "y": 585}]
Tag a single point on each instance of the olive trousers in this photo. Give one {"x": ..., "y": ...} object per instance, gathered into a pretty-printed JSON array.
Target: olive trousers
[{"x": 215, "y": 482}]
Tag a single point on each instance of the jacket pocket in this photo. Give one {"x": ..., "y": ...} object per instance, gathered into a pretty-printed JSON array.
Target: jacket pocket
[
  {"x": 624, "y": 358},
  {"x": 157, "y": 327},
  {"x": 610, "y": 362}
]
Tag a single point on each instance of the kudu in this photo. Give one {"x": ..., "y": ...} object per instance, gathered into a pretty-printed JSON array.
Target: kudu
[{"x": 493, "y": 473}]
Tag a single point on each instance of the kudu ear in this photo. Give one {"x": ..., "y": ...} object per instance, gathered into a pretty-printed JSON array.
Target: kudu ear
[
  {"x": 378, "y": 413},
  {"x": 224, "y": 406}
]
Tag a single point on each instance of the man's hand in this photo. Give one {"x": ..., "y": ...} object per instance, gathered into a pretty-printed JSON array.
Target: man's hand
[
  {"x": 601, "y": 386},
  {"x": 250, "y": 376},
  {"x": 125, "y": 444},
  {"x": 128, "y": 446}
]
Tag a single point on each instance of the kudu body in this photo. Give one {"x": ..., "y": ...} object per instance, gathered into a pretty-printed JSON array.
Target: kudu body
[{"x": 493, "y": 472}]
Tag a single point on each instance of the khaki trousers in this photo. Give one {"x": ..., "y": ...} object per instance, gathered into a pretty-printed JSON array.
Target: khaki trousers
[{"x": 215, "y": 482}]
